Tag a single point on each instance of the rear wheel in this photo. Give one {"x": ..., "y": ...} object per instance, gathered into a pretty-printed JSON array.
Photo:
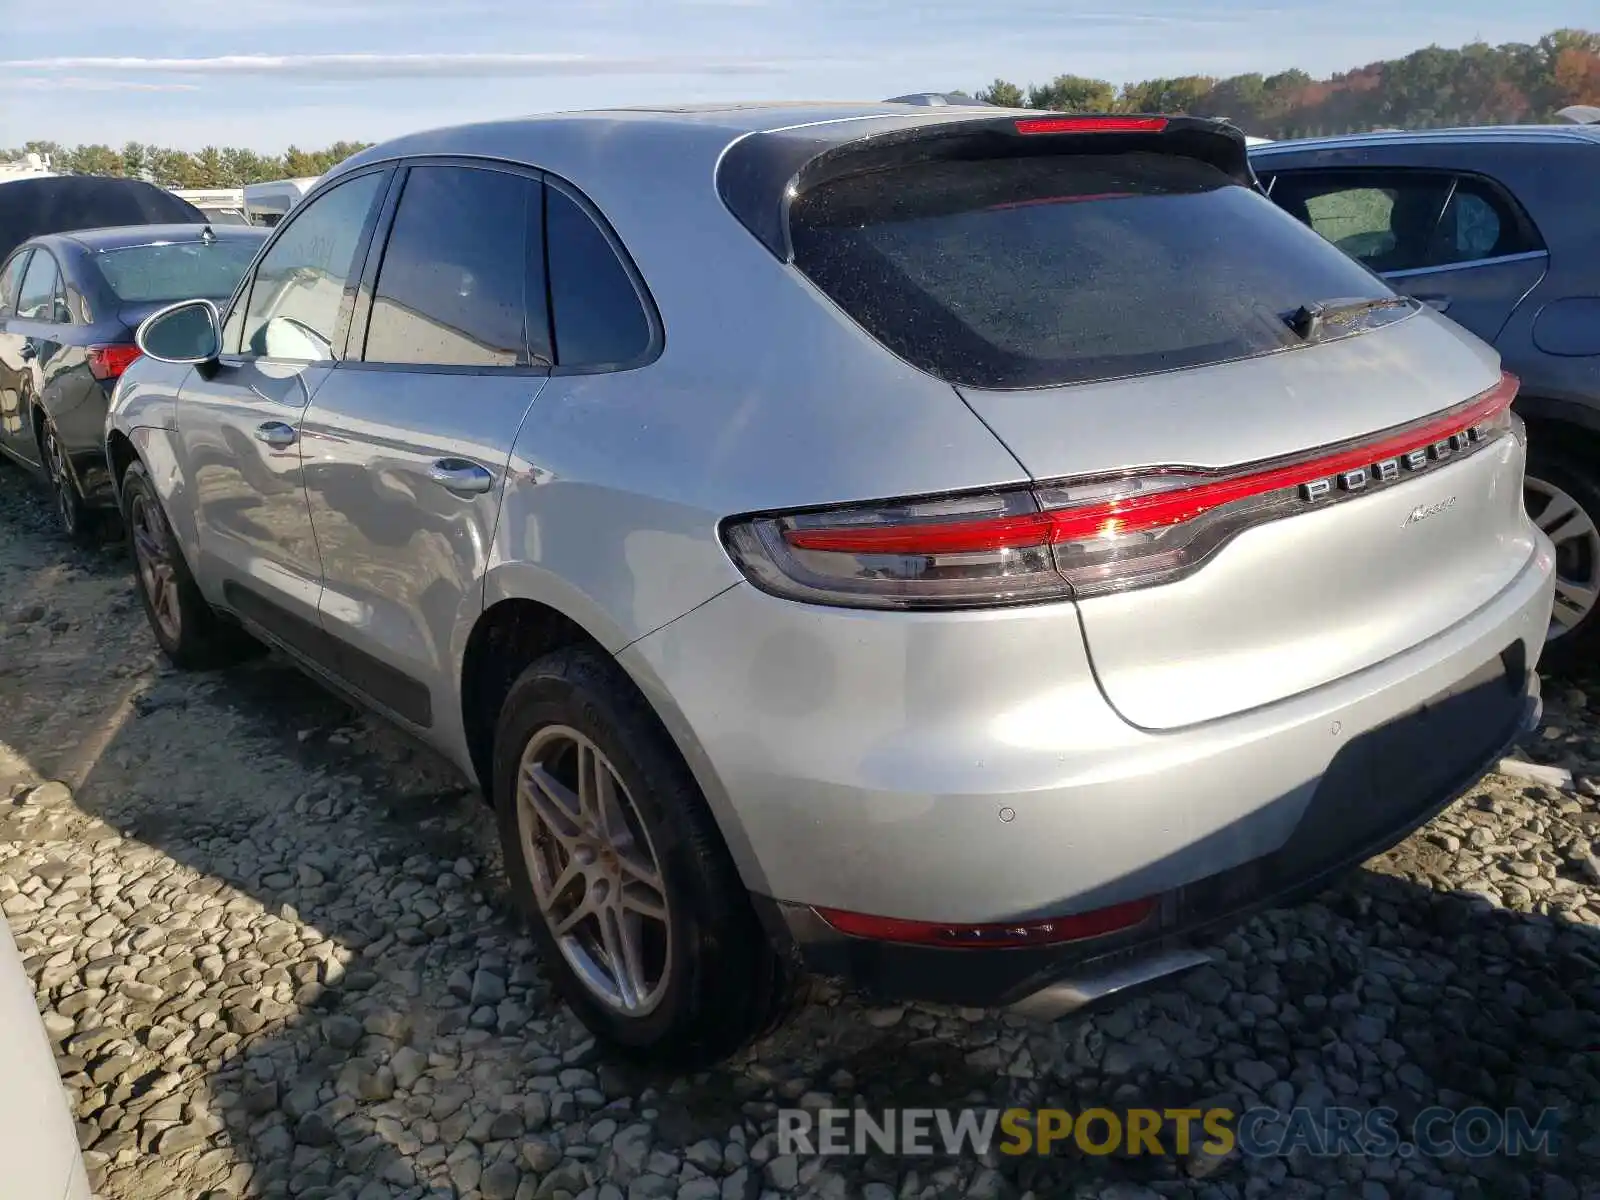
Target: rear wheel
[
  {"x": 78, "y": 521},
  {"x": 188, "y": 630},
  {"x": 1563, "y": 498},
  {"x": 612, "y": 853}
]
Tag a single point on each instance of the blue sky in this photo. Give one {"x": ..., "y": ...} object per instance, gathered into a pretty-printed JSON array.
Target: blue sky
[{"x": 264, "y": 75}]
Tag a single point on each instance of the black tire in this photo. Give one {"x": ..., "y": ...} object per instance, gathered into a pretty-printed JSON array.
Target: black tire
[
  {"x": 189, "y": 631},
  {"x": 82, "y": 525},
  {"x": 727, "y": 985},
  {"x": 1577, "y": 558}
]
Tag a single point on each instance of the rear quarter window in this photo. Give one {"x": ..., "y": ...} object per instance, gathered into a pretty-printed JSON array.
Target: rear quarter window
[{"x": 1040, "y": 271}]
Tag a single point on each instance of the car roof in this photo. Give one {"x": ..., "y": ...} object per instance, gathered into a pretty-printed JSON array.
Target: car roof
[
  {"x": 611, "y": 136},
  {"x": 1479, "y": 135},
  {"x": 118, "y": 237}
]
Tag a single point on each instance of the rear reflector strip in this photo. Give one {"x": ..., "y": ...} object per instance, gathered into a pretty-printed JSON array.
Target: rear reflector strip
[
  {"x": 1091, "y": 125},
  {"x": 1049, "y": 932}
]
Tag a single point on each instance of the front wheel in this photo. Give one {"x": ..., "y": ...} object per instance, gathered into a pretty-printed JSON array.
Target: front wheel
[
  {"x": 1563, "y": 498},
  {"x": 188, "y": 630},
  {"x": 611, "y": 851}
]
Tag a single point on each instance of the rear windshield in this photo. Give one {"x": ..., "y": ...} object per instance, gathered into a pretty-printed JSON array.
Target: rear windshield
[
  {"x": 1029, "y": 272},
  {"x": 177, "y": 270}
]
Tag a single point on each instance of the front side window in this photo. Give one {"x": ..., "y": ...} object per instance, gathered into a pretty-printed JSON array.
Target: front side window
[
  {"x": 11, "y": 282},
  {"x": 598, "y": 318},
  {"x": 299, "y": 300},
  {"x": 41, "y": 287},
  {"x": 460, "y": 283}
]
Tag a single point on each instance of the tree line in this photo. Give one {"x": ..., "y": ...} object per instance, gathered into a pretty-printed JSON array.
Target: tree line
[
  {"x": 1473, "y": 85},
  {"x": 1477, "y": 84},
  {"x": 212, "y": 167}
]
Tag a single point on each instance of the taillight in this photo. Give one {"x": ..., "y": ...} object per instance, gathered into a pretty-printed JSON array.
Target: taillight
[
  {"x": 1081, "y": 537},
  {"x": 109, "y": 362},
  {"x": 1091, "y": 125}
]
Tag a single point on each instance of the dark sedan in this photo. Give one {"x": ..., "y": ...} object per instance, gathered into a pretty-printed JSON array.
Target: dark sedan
[{"x": 69, "y": 305}]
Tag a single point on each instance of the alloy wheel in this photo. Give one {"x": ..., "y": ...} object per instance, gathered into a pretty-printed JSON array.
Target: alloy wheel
[
  {"x": 55, "y": 461},
  {"x": 595, "y": 874},
  {"x": 1577, "y": 543},
  {"x": 153, "y": 556}
]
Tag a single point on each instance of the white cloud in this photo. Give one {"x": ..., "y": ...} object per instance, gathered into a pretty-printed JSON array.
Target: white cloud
[{"x": 380, "y": 66}]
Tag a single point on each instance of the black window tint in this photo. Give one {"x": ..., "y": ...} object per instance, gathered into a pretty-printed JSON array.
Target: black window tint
[
  {"x": 11, "y": 281},
  {"x": 1030, "y": 272},
  {"x": 1478, "y": 223},
  {"x": 1386, "y": 219},
  {"x": 455, "y": 279},
  {"x": 298, "y": 298},
  {"x": 40, "y": 287},
  {"x": 598, "y": 318}
]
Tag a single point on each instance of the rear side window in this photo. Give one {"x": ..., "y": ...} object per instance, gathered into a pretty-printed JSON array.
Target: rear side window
[
  {"x": 176, "y": 270},
  {"x": 458, "y": 272},
  {"x": 597, "y": 316},
  {"x": 40, "y": 290},
  {"x": 1406, "y": 220},
  {"x": 1032, "y": 272}
]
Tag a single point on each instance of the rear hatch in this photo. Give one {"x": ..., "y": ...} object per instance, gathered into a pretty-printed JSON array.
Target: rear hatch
[{"x": 1272, "y": 471}]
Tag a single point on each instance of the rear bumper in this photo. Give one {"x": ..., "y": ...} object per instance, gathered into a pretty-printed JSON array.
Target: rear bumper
[
  {"x": 1380, "y": 788},
  {"x": 965, "y": 769}
]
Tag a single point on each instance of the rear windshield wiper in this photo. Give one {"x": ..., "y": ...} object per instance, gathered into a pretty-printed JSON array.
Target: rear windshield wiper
[{"x": 1310, "y": 320}]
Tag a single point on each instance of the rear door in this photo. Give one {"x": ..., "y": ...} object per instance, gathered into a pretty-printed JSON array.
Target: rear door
[
  {"x": 1131, "y": 327},
  {"x": 406, "y": 445},
  {"x": 1458, "y": 242}
]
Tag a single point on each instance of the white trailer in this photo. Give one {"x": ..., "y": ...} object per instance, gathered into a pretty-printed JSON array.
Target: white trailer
[{"x": 267, "y": 203}]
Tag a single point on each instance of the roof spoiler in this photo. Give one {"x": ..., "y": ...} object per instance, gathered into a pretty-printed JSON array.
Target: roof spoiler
[{"x": 761, "y": 175}]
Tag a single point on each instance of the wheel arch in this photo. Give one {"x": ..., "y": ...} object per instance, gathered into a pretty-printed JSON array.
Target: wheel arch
[{"x": 511, "y": 632}]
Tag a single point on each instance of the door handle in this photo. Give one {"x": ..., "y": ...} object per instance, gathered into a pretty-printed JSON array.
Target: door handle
[
  {"x": 29, "y": 350},
  {"x": 276, "y": 434},
  {"x": 1437, "y": 303},
  {"x": 459, "y": 475}
]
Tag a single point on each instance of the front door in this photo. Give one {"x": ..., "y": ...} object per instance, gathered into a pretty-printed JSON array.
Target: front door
[
  {"x": 26, "y": 351},
  {"x": 239, "y": 425},
  {"x": 407, "y": 444}
]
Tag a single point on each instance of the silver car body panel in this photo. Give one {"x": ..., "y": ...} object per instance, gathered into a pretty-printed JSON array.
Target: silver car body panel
[
  {"x": 865, "y": 760},
  {"x": 38, "y": 1142},
  {"x": 868, "y": 761}
]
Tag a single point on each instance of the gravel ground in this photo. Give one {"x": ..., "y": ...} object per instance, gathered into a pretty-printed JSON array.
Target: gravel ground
[{"x": 273, "y": 953}]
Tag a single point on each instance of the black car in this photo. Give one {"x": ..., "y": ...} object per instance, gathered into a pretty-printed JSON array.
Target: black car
[
  {"x": 69, "y": 306},
  {"x": 31, "y": 207},
  {"x": 1500, "y": 230}
]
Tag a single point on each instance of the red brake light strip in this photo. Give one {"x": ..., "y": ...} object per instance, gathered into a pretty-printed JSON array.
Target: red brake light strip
[
  {"x": 1091, "y": 125},
  {"x": 1136, "y": 514}
]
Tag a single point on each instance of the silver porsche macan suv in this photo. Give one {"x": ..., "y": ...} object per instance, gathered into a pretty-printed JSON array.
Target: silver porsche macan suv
[{"x": 963, "y": 551}]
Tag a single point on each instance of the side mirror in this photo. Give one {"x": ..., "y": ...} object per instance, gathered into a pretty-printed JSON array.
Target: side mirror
[{"x": 187, "y": 332}]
